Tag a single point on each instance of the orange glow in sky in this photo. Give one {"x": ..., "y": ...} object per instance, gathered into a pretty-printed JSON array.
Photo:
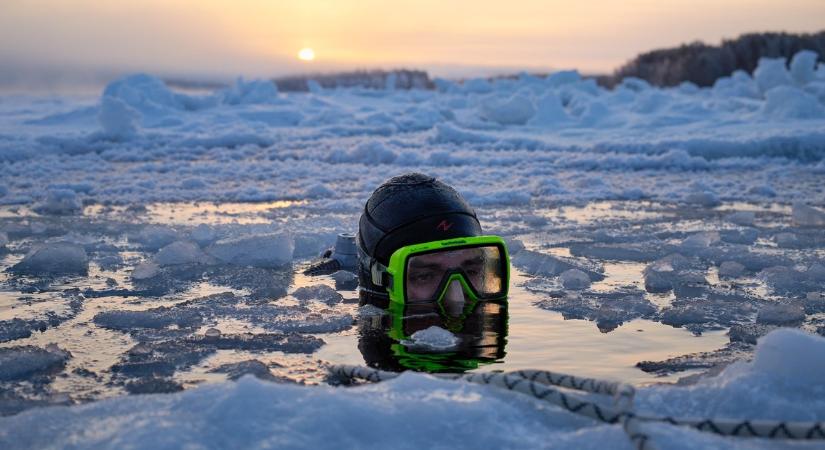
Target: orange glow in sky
[{"x": 262, "y": 37}]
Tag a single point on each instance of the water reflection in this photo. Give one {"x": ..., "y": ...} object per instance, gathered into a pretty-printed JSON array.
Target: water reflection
[{"x": 387, "y": 342}]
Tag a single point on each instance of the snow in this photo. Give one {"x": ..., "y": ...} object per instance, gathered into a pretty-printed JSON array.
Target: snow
[
  {"x": 118, "y": 120},
  {"x": 516, "y": 110}
]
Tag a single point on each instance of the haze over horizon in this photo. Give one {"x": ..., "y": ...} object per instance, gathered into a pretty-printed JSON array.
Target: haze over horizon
[{"x": 210, "y": 38}]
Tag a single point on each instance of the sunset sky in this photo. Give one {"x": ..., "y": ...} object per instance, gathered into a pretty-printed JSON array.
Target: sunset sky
[{"x": 263, "y": 37}]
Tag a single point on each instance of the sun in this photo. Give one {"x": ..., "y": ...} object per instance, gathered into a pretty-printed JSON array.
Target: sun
[{"x": 306, "y": 54}]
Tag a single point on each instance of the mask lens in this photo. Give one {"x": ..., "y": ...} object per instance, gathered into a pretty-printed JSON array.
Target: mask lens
[{"x": 481, "y": 267}]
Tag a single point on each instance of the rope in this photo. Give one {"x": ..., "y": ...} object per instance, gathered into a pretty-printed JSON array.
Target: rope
[{"x": 539, "y": 384}]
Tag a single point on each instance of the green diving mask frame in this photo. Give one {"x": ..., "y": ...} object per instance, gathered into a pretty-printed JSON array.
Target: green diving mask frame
[{"x": 454, "y": 274}]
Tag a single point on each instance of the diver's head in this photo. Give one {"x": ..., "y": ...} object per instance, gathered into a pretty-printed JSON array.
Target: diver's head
[
  {"x": 423, "y": 258},
  {"x": 407, "y": 209},
  {"x": 420, "y": 242}
]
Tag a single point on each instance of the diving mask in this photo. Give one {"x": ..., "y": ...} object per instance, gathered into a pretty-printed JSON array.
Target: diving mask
[{"x": 458, "y": 271}]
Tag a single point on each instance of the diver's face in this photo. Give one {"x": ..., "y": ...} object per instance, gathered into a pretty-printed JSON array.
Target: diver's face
[{"x": 426, "y": 272}]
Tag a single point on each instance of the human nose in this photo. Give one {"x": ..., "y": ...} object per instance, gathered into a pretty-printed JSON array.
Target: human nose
[{"x": 454, "y": 298}]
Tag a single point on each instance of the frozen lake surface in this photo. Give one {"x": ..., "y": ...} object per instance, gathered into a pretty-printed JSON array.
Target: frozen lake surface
[{"x": 153, "y": 241}]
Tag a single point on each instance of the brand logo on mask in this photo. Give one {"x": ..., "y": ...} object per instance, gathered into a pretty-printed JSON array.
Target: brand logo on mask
[{"x": 444, "y": 225}]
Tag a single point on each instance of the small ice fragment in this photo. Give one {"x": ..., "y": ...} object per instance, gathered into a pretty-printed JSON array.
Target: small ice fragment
[
  {"x": 575, "y": 279},
  {"x": 701, "y": 240},
  {"x": 368, "y": 311},
  {"x": 145, "y": 271},
  {"x": 731, "y": 269},
  {"x": 154, "y": 237},
  {"x": 319, "y": 292},
  {"x": 656, "y": 281},
  {"x": 180, "y": 252},
  {"x": 807, "y": 216},
  {"x": 816, "y": 272},
  {"x": 212, "y": 332},
  {"x": 762, "y": 190},
  {"x": 319, "y": 190},
  {"x": 203, "y": 234},
  {"x": 433, "y": 338},
  {"x": 744, "y": 218},
  {"x": 60, "y": 202},
  {"x": 251, "y": 367},
  {"x": 22, "y": 362},
  {"x": 58, "y": 258},
  {"x": 703, "y": 198},
  {"x": 786, "y": 240},
  {"x": 780, "y": 314},
  {"x": 345, "y": 280}
]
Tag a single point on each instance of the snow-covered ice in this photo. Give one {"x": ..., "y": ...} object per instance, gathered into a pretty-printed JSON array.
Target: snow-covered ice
[
  {"x": 160, "y": 237},
  {"x": 783, "y": 382}
]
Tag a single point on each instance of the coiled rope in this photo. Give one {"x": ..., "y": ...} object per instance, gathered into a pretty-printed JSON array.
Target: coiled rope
[{"x": 540, "y": 384}]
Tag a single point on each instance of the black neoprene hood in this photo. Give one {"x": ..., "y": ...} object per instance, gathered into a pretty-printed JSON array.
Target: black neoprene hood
[{"x": 412, "y": 209}]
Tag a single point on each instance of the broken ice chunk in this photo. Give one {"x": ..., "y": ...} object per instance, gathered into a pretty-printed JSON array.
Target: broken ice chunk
[
  {"x": 318, "y": 292},
  {"x": 744, "y": 218},
  {"x": 807, "y": 216},
  {"x": 664, "y": 273},
  {"x": 58, "y": 258},
  {"x": 21, "y": 363},
  {"x": 786, "y": 240},
  {"x": 60, "y": 202},
  {"x": 153, "y": 385},
  {"x": 203, "y": 235},
  {"x": 574, "y": 279},
  {"x": 780, "y": 314},
  {"x": 251, "y": 367},
  {"x": 699, "y": 241},
  {"x": 145, "y": 271},
  {"x": 345, "y": 280},
  {"x": 153, "y": 237},
  {"x": 263, "y": 250},
  {"x": 156, "y": 318},
  {"x": 707, "y": 199},
  {"x": 181, "y": 252},
  {"x": 731, "y": 269}
]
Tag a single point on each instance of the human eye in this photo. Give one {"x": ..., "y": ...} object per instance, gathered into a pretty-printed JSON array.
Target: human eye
[{"x": 422, "y": 277}]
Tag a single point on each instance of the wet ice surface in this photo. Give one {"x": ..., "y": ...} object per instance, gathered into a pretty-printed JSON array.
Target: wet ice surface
[{"x": 626, "y": 290}]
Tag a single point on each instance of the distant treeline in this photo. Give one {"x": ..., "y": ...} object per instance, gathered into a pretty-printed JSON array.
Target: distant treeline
[{"x": 703, "y": 64}]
